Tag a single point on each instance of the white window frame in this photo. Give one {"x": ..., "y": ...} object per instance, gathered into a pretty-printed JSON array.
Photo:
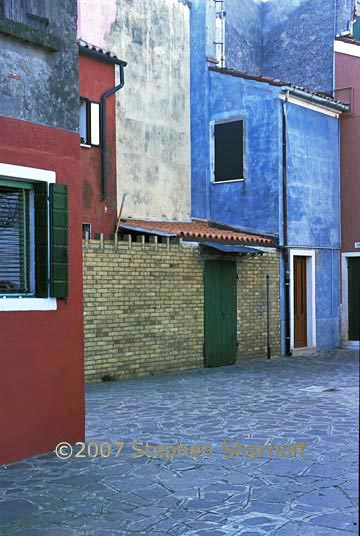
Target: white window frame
[
  {"x": 92, "y": 122},
  {"x": 310, "y": 296},
  {"x": 212, "y": 147},
  {"x": 27, "y": 174},
  {"x": 345, "y": 301}
]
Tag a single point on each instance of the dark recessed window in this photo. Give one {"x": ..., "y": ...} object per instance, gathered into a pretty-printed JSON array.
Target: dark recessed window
[
  {"x": 229, "y": 151},
  {"x": 33, "y": 239},
  {"x": 86, "y": 231}
]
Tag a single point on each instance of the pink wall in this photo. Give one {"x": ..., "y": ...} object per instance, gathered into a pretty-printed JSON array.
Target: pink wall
[
  {"x": 348, "y": 74},
  {"x": 95, "y": 18}
]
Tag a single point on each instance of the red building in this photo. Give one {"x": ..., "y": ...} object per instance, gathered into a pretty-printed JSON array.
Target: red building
[
  {"x": 41, "y": 317},
  {"x": 41, "y": 382},
  {"x": 98, "y": 137},
  {"x": 347, "y": 64}
]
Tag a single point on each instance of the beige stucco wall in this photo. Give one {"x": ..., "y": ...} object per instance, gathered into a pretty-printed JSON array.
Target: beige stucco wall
[{"x": 153, "y": 108}]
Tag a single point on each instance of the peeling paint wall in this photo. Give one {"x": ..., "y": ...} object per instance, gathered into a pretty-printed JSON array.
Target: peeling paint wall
[
  {"x": 153, "y": 108},
  {"x": 50, "y": 73}
]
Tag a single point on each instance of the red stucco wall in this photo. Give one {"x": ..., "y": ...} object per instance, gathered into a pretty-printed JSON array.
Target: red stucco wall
[
  {"x": 41, "y": 353},
  {"x": 348, "y": 74},
  {"x": 96, "y": 77}
]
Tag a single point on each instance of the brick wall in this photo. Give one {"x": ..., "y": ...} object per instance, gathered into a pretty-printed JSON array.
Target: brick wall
[
  {"x": 143, "y": 308},
  {"x": 252, "y": 305}
]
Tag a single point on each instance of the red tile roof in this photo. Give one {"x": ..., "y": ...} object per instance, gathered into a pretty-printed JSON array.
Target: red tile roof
[{"x": 195, "y": 229}]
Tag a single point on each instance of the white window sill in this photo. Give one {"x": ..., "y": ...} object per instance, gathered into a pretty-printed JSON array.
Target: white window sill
[
  {"x": 28, "y": 304},
  {"x": 226, "y": 182},
  {"x": 85, "y": 145}
]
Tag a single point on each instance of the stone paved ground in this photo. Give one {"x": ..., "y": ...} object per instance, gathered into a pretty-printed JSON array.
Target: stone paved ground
[{"x": 306, "y": 399}]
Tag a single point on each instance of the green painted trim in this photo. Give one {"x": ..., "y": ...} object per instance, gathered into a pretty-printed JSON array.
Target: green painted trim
[{"x": 16, "y": 184}]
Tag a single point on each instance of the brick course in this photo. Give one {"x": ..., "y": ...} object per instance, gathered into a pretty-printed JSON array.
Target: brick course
[
  {"x": 143, "y": 308},
  {"x": 252, "y": 305}
]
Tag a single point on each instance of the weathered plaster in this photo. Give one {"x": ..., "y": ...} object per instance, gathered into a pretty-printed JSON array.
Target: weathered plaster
[
  {"x": 95, "y": 18},
  {"x": 244, "y": 35},
  {"x": 153, "y": 108},
  {"x": 286, "y": 39},
  {"x": 27, "y": 70}
]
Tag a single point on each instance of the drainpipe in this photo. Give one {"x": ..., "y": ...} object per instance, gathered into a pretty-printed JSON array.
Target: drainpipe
[
  {"x": 285, "y": 250},
  {"x": 107, "y": 94}
]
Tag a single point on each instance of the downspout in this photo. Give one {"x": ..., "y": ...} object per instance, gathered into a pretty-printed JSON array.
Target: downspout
[
  {"x": 107, "y": 94},
  {"x": 285, "y": 250}
]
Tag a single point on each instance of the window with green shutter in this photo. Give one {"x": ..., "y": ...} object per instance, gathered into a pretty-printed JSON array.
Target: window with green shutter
[{"x": 33, "y": 239}]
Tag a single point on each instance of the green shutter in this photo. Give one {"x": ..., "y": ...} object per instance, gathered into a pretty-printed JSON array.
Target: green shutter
[
  {"x": 41, "y": 240},
  {"x": 58, "y": 240}
]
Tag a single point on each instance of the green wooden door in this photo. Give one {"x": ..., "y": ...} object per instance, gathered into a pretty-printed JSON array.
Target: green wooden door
[
  {"x": 220, "y": 345},
  {"x": 354, "y": 298}
]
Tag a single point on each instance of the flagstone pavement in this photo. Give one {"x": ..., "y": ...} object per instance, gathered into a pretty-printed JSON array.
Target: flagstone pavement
[{"x": 194, "y": 484}]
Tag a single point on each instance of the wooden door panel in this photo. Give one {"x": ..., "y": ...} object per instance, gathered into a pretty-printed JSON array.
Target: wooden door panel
[
  {"x": 300, "y": 302},
  {"x": 220, "y": 313}
]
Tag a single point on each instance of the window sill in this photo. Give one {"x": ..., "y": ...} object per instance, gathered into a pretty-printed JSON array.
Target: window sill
[
  {"x": 31, "y": 35},
  {"x": 85, "y": 145},
  {"x": 28, "y": 304},
  {"x": 226, "y": 182}
]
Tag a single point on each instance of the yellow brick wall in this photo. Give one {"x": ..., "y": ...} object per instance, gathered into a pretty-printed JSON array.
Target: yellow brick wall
[
  {"x": 252, "y": 305},
  {"x": 143, "y": 308}
]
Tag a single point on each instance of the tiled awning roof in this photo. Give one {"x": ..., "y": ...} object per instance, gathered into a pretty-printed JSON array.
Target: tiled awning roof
[
  {"x": 194, "y": 230},
  {"x": 95, "y": 51}
]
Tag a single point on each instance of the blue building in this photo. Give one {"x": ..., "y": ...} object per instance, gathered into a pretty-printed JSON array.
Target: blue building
[{"x": 265, "y": 159}]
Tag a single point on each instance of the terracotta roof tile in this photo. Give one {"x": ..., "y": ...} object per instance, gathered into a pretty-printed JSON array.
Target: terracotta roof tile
[{"x": 196, "y": 230}]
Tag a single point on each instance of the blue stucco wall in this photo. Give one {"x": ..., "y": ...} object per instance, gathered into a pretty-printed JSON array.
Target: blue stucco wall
[
  {"x": 298, "y": 40},
  {"x": 287, "y": 39},
  {"x": 199, "y": 110},
  {"x": 254, "y": 202},
  {"x": 243, "y": 35},
  {"x": 313, "y": 188},
  {"x": 344, "y": 14},
  {"x": 327, "y": 270}
]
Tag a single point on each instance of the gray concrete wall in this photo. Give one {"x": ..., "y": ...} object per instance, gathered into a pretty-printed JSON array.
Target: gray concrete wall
[
  {"x": 39, "y": 68},
  {"x": 153, "y": 109}
]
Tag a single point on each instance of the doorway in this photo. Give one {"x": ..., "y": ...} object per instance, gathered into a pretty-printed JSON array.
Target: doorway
[
  {"x": 354, "y": 298},
  {"x": 302, "y": 299},
  {"x": 300, "y": 302},
  {"x": 220, "y": 315}
]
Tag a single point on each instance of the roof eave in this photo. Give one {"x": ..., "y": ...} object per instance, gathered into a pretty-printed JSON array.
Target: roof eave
[
  {"x": 315, "y": 99},
  {"x": 101, "y": 56}
]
